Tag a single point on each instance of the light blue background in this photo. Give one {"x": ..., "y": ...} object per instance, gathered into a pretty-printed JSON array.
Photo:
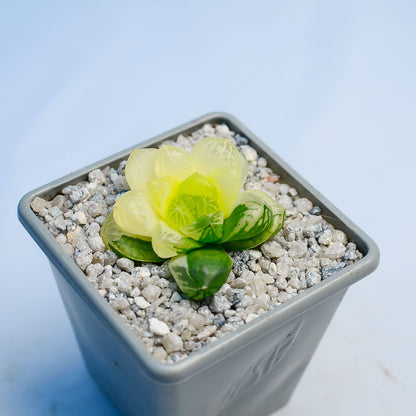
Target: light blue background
[{"x": 329, "y": 85}]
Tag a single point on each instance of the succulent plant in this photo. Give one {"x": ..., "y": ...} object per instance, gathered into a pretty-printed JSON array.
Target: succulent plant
[{"x": 190, "y": 207}]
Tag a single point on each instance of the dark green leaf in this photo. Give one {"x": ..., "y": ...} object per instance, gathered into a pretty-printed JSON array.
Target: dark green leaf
[
  {"x": 272, "y": 230},
  {"x": 249, "y": 218},
  {"x": 201, "y": 272},
  {"x": 276, "y": 223},
  {"x": 135, "y": 249}
]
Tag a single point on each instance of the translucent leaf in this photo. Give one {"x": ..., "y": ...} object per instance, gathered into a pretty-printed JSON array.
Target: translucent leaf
[
  {"x": 214, "y": 153},
  {"x": 200, "y": 205},
  {"x": 228, "y": 183},
  {"x": 160, "y": 191},
  {"x": 139, "y": 168},
  {"x": 126, "y": 245},
  {"x": 195, "y": 196},
  {"x": 250, "y": 217},
  {"x": 278, "y": 217},
  {"x": 174, "y": 162},
  {"x": 197, "y": 184},
  {"x": 206, "y": 229},
  {"x": 244, "y": 168},
  {"x": 134, "y": 214},
  {"x": 168, "y": 242},
  {"x": 268, "y": 199},
  {"x": 178, "y": 213},
  {"x": 200, "y": 273},
  {"x": 110, "y": 231}
]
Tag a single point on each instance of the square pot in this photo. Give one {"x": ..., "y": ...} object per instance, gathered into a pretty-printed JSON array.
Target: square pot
[{"x": 252, "y": 371}]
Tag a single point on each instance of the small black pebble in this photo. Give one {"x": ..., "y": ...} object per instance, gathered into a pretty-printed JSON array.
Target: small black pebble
[
  {"x": 315, "y": 211},
  {"x": 240, "y": 140}
]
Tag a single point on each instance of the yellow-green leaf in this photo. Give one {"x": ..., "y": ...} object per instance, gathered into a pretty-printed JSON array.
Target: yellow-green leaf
[
  {"x": 206, "y": 229},
  {"x": 195, "y": 196},
  {"x": 244, "y": 169},
  {"x": 139, "y": 168},
  {"x": 228, "y": 183},
  {"x": 110, "y": 231},
  {"x": 197, "y": 184},
  {"x": 168, "y": 242},
  {"x": 160, "y": 192},
  {"x": 214, "y": 153},
  {"x": 174, "y": 162},
  {"x": 134, "y": 214},
  {"x": 125, "y": 244}
]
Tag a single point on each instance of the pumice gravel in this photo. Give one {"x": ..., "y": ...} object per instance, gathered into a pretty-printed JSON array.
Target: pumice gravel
[{"x": 306, "y": 250}]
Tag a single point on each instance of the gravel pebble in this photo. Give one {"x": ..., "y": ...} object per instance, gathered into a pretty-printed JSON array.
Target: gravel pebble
[
  {"x": 315, "y": 211},
  {"x": 219, "y": 303},
  {"x": 283, "y": 297},
  {"x": 160, "y": 353},
  {"x": 83, "y": 258},
  {"x": 172, "y": 343},
  {"x": 249, "y": 153},
  {"x": 219, "y": 320},
  {"x": 335, "y": 250},
  {"x": 151, "y": 293},
  {"x": 54, "y": 211},
  {"x": 326, "y": 238},
  {"x": 303, "y": 204},
  {"x": 125, "y": 264},
  {"x": 297, "y": 249},
  {"x": 313, "y": 277},
  {"x": 96, "y": 176},
  {"x": 141, "y": 302},
  {"x": 328, "y": 271},
  {"x": 207, "y": 332},
  {"x": 119, "y": 303},
  {"x": 272, "y": 249},
  {"x": 158, "y": 327},
  {"x": 40, "y": 205},
  {"x": 96, "y": 243},
  {"x": 80, "y": 218}
]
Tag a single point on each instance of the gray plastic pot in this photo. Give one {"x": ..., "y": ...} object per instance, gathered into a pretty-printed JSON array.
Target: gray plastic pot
[{"x": 252, "y": 371}]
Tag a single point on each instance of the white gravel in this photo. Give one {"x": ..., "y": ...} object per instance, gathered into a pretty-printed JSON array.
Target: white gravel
[{"x": 307, "y": 250}]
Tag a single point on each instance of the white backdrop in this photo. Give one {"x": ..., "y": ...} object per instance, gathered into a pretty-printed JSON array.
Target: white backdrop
[{"x": 329, "y": 85}]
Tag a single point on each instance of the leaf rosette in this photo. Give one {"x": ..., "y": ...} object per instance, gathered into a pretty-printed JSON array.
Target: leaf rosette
[{"x": 185, "y": 206}]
